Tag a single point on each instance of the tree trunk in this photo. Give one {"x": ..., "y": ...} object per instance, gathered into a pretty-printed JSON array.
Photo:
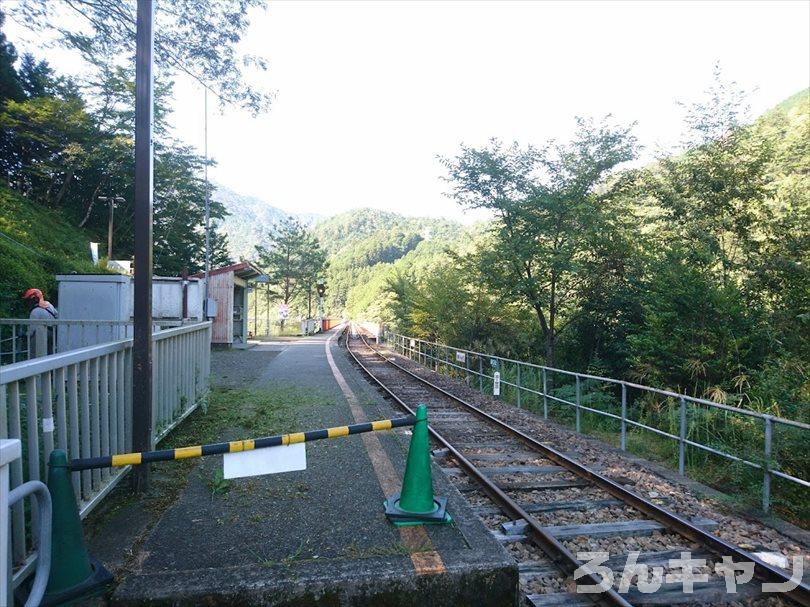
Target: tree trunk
[
  {"x": 92, "y": 203},
  {"x": 551, "y": 335},
  {"x": 63, "y": 190}
]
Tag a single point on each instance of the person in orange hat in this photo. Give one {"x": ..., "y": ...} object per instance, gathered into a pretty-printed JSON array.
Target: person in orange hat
[{"x": 39, "y": 309}]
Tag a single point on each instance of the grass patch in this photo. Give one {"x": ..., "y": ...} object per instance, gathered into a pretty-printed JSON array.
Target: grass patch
[{"x": 230, "y": 414}]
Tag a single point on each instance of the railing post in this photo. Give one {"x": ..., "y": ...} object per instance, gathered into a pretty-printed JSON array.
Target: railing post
[
  {"x": 579, "y": 411},
  {"x": 682, "y": 438},
  {"x": 40, "y": 341},
  {"x": 766, "y": 467},
  {"x": 624, "y": 416},
  {"x": 517, "y": 383},
  {"x": 10, "y": 450},
  {"x": 480, "y": 374},
  {"x": 545, "y": 392}
]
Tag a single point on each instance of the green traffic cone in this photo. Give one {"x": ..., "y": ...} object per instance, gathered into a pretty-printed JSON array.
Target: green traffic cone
[
  {"x": 74, "y": 574},
  {"x": 416, "y": 504}
]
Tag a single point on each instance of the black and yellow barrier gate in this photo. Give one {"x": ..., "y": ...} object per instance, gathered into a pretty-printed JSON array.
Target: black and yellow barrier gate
[
  {"x": 75, "y": 574},
  {"x": 134, "y": 459}
]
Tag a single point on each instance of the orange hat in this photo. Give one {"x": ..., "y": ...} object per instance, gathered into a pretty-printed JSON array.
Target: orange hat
[{"x": 38, "y": 294}]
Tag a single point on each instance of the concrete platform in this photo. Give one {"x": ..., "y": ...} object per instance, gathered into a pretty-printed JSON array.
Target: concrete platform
[{"x": 319, "y": 536}]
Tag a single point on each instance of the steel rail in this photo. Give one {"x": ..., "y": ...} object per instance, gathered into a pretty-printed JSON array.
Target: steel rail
[
  {"x": 762, "y": 570},
  {"x": 558, "y": 553}
]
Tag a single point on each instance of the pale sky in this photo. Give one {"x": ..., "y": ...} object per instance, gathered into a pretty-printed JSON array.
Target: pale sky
[{"x": 368, "y": 93}]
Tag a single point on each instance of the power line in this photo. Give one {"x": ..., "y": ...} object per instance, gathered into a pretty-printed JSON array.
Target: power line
[{"x": 24, "y": 246}]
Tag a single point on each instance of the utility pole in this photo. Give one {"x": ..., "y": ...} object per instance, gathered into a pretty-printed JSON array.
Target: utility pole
[
  {"x": 111, "y": 202},
  {"x": 207, "y": 213},
  {"x": 320, "y": 287},
  {"x": 142, "y": 342}
]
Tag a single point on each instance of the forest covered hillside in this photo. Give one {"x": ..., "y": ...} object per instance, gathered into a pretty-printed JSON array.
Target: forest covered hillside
[
  {"x": 365, "y": 246},
  {"x": 249, "y": 220}
]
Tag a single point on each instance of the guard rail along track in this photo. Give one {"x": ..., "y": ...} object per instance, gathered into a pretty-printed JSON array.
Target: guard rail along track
[{"x": 456, "y": 425}]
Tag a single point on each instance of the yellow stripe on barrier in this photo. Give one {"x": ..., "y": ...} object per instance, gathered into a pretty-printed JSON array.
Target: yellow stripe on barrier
[
  {"x": 135, "y": 459},
  {"x": 337, "y": 432},
  {"x": 186, "y": 452},
  {"x": 241, "y": 445},
  {"x": 296, "y": 437},
  {"x": 126, "y": 459}
]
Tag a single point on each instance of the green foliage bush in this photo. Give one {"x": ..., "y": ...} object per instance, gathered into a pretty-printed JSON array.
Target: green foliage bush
[{"x": 35, "y": 245}]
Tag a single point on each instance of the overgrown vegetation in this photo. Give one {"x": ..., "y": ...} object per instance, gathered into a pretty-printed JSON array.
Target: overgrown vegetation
[
  {"x": 66, "y": 140},
  {"x": 34, "y": 246},
  {"x": 690, "y": 274}
]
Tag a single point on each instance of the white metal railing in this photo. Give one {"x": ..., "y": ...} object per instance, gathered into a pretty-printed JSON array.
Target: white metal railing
[
  {"x": 81, "y": 401},
  {"x": 21, "y": 339},
  {"x": 531, "y": 379}
]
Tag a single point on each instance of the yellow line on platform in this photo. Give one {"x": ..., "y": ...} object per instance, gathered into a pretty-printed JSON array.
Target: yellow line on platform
[{"x": 426, "y": 560}]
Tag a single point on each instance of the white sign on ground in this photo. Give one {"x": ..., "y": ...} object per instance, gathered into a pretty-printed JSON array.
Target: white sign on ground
[
  {"x": 496, "y": 383},
  {"x": 270, "y": 460},
  {"x": 460, "y": 357}
]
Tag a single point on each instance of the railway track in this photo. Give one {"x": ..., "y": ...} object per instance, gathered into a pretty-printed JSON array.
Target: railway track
[{"x": 523, "y": 489}]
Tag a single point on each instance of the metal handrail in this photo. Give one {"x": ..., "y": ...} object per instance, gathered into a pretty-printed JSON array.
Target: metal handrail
[
  {"x": 618, "y": 382},
  {"x": 81, "y": 401},
  {"x": 423, "y": 349},
  {"x": 35, "y": 366},
  {"x": 22, "y": 338},
  {"x": 44, "y": 518}
]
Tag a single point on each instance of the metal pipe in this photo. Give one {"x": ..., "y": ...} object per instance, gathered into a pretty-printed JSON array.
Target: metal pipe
[
  {"x": 682, "y": 439},
  {"x": 44, "y": 516},
  {"x": 624, "y": 417},
  {"x": 766, "y": 479}
]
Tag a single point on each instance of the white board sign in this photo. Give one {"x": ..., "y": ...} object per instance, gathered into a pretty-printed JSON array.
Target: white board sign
[
  {"x": 271, "y": 460},
  {"x": 496, "y": 383},
  {"x": 413, "y": 343},
  {"x": 461, "y": 357}
]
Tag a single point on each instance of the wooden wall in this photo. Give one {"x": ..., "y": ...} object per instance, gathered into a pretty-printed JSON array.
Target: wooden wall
[{"x": 221, "y": 289}]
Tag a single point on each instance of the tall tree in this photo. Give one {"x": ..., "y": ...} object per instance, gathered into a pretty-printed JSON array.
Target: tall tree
[
  {"x": 713, "y": 193},
  {"x": 196, "y": 37},
  {"x": 314, "y": 266},
  {"x": 551, "y": 208},
  {"x": 288, "y": 259}
]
